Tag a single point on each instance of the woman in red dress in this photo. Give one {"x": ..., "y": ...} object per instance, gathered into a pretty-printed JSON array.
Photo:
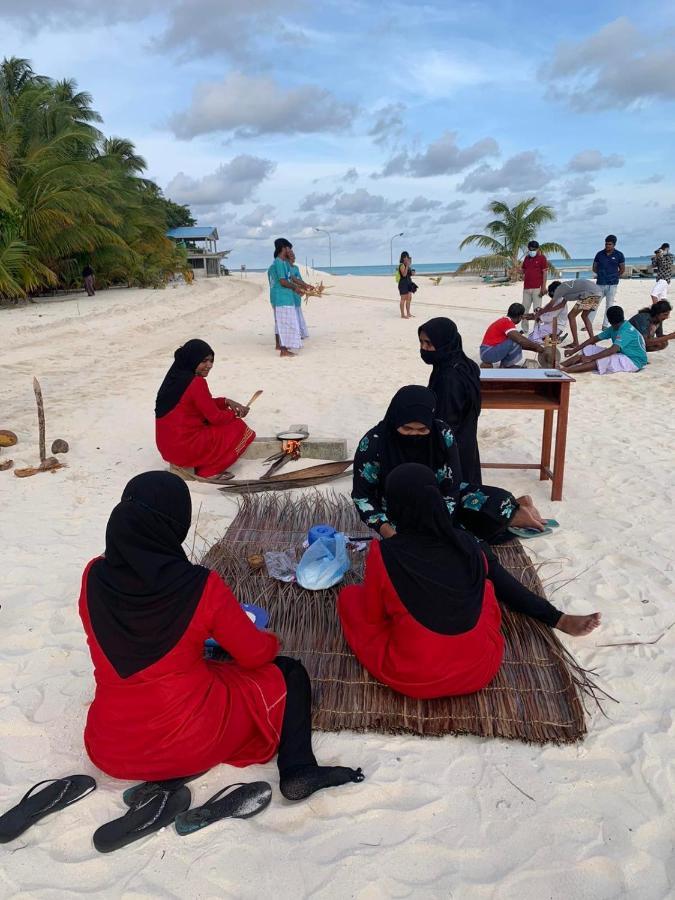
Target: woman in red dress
[
  {"x": 426, "y": 621},
  {"x": 193, "y": 429},
  {"x": 161, "y": 710}
]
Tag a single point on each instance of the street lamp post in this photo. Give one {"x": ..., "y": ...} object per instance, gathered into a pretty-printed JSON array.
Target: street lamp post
[
  {"x": 391, "y": 247},
  {"x": 330, "y": 247}
]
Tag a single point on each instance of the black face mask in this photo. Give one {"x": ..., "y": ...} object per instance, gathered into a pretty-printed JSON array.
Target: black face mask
[{"x": 429, "y": 356}]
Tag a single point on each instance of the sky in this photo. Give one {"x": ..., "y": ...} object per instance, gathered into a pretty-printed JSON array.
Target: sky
[{"x": 366, "y": 119}]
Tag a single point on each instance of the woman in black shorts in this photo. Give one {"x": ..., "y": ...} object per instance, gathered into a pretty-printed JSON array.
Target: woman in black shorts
[{"x": 406, "y": 286}]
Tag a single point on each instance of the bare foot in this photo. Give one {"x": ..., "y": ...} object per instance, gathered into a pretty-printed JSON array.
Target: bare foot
[
  {"x": 285, "y": 352},
  {"x": 528, "y": 517},
  {"x": 485, "y": 365},
  {"x": 579, "y": 626}
]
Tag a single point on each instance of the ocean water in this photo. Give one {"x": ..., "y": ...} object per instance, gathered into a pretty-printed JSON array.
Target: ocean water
[{"x": 582, "y": 266}]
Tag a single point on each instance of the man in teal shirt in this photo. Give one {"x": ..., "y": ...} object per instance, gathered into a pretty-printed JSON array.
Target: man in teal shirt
[
  {"x": 283, "y": 299},
  {"x": 628, "y": 352}
]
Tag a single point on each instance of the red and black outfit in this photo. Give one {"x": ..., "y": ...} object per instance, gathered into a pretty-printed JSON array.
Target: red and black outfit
[
  {"x": 192, "y": 428},
  {"x": 426, "y": 621},
  {"x": 160, "y": 709}
]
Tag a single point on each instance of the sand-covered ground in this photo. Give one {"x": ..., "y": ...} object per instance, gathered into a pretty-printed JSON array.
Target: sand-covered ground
[{"x": 435, "y": 818}]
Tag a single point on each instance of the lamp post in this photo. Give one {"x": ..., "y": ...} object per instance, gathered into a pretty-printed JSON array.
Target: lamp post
[
  {"x": 391, "y": 247},
  {"x": 330, "y": 248}
]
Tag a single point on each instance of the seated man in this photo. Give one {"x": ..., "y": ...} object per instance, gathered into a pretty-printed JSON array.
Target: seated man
[
  {"x": 648, "y": 320},
  {"x": 503, "y": 343},
  {"x": 627, "y": 353}
]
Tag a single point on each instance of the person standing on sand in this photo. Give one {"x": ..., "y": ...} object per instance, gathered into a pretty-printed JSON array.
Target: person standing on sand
[
  {"x": 534, "y": 268},
  {"x": 282, "y": 298},
  {"x": 88, "y": 278},
  {"x": 609, "y": 265},
  {"x": 296, "y": 278},
  {"x": 406, "y": 286},
  {"x": 662, "y": 260}
]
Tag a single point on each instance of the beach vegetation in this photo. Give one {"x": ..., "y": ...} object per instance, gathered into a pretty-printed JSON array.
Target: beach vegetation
[
  {"x": 70, "y": 196},
  {"x": 507, "y": 236}
]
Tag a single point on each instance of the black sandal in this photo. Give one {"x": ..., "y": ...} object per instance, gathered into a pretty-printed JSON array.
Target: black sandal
[
  {"x": 139, "y": 793},
  {"x": 62, "y": 792},
  {"x": 149, "y": 816},
  {"x": 245, "y": 801}
]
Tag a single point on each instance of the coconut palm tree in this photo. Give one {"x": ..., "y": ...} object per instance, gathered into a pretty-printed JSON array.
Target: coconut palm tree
[{"x": 507, "y": 238}]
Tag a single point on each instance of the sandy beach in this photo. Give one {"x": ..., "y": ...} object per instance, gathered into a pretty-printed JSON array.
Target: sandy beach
[{"x": 438, "y": 818}]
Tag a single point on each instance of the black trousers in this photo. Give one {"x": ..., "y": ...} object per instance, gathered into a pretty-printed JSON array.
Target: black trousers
[
  {"x": 515, "y": 595},
  {"x": 295, "y": 743}
]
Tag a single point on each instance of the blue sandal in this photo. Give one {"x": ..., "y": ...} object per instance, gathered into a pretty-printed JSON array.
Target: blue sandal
[{"x": 244, "y": 801}]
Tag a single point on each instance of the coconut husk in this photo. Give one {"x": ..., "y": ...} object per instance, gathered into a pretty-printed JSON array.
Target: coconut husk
[
  {"x": 50, "y": 464},
  {"x": 6, "y": 464}
]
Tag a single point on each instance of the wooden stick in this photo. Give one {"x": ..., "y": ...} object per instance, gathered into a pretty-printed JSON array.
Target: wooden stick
[
  {"x": 254, "y": 398},
  {"x": 41, "y": 418},
  {"x": 554, "y": 341}
]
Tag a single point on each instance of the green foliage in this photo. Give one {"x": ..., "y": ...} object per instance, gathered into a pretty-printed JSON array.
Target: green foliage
[
  {"x": 70, "y": 196},
  {"x": 507, "y": 238}
]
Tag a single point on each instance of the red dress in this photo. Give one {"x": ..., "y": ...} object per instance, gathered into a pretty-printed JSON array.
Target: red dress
[
  {"x": 184, "y": 714},
  {"x": 401, "y": 653},
  {"x": 201, "y": 432}
]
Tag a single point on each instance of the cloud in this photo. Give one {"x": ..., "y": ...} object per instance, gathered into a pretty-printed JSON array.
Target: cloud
[
  {"x": 452, "y": 213},
  {"x": 260, "y": 217},
  {"x": 437, "y": 74},
  {"x": 423, "y": 204},
  {"x": 597, "y": 208},
  {"x": 653, "y": 179},
  {"x": 442, "y": 157},
  {"x": 233, "y": 182},
  {"x": 578, "y": 187},
  {"x": 522, "y": 172},
  {"x": 250, "y": 106},
  {"x": 312, "y": 201},
  {"x": 351, "y": 175},
  {"x": 593, "y": 161},
  {"x": 363, "y": 202},
  {"x": 617, "y": 66},
  {"x": 388, "y": 126}
]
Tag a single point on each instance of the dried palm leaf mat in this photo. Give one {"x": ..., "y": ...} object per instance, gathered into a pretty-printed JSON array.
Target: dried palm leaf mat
[{"x": 538, "y": 695}]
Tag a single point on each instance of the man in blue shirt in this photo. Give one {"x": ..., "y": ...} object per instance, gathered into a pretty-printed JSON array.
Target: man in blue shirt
[
  {"x": 628, "y": 352},
  {"x": 609, "y": 265}
]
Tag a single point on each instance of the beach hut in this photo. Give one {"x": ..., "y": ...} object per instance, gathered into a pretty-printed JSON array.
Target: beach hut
[{"x": 201, "y": 244}]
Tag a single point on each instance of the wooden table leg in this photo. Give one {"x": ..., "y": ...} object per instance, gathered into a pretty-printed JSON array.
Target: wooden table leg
[
  {"x": 546, "y": 436},
  {"x": 560, "y": 442}
]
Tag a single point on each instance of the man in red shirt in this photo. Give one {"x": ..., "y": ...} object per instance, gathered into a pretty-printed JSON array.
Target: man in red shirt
[
  {"x": 534, "y": 268},
  {"x": 502, "y": 343}
]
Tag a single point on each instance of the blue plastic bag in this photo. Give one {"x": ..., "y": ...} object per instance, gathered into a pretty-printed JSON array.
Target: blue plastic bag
[{"x": 324, "y": 563}]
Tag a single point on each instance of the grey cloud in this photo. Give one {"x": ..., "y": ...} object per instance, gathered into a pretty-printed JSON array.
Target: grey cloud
[
  {"x": 441, "y": 157},
  {"x": 314, "y": 200},
  {"x": 617, "y": 66},
  {"x": 388, "y": 125},
  {"x": 578, "y": 187},
  {"x": 259, "y": 217},
  {"x": 252, "y": 106},
  {"x": 593, "y": 161},
  {"x": 597, "y": 208},
  {"x": 362, "y": 202},
  {"x": 453, "y": 213},
  {"x": 653, "y": 179},
  {"x": 351, "y": 175},
  {"x": 234, "y": 182},
  {"x": 423, "y": 204},
  {"x": 522, "y": 172}
]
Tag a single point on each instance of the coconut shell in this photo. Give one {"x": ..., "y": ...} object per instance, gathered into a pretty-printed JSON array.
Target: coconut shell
[
  {"x": 546, "y": 358},
  {"x": 6, "y": 464},
  {"x": 8, "y": 438},
  {"x": 60, "y": 446}
]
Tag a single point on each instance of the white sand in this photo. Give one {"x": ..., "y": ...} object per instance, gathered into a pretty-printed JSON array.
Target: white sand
[{"x": 435, "y": 818}]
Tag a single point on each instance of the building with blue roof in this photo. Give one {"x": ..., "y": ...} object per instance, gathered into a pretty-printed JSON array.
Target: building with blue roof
[{"x": 201, "y": 244}]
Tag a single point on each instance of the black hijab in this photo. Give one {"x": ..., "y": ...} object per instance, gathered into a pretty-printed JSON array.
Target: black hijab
[
  {"x": 412, "y": 403},
  {"x": 180, "y": 375},
  {"x": 437, "y": 570},
  {"x": 142, "y": 595},
  {"x": 455, "y": 379}
]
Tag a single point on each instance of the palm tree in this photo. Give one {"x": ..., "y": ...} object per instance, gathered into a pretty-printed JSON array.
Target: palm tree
[{"x": 507, "y": 238}]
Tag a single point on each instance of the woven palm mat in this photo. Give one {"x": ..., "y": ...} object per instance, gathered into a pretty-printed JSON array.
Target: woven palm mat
[{"x": 538, "y": 694}]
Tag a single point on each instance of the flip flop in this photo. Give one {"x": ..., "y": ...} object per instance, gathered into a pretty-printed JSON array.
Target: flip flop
[
  {"x": 244, "y": 801},
  {"x": 140, "y": 793},
  {"x": 147, "y": 817},
  {"x": 527, "y": 533},
  {"x": 62, "y": 792},
  {"x": 189, "y": 475}
]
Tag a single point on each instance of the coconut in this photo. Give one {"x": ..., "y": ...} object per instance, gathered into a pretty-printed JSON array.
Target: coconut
[
  {"x": 8, "y": 438},
  {"x": 60, "y": 446}
]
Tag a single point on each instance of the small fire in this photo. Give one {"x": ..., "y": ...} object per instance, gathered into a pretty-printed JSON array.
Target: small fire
[{"x": 291, "y": 448}]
